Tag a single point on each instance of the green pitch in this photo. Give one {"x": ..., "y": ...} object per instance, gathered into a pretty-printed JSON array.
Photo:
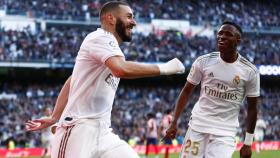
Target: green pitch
[{"x": 263, "y": 154}]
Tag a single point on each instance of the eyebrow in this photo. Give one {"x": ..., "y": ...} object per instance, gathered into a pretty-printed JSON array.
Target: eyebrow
[
  {"x": 226, "y": 31},
  {"x": 130, "y": 14}
]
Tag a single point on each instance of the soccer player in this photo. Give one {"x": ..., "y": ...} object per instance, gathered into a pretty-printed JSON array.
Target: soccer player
[
  {"x": 165, "y": 123},
  {"x": 84, "y": 104},
  {"x": 46, "y": 135},
  {"x": 259, "y": 132},
  {"x": 226, "y": 78},
  {"x": 151, "y": 134}
]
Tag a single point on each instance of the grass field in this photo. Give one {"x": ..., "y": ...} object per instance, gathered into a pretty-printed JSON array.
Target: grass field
[{"x": 263, "y": 154}]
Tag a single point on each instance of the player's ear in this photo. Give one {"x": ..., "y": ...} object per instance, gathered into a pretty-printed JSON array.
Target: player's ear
[
  {"x": 238, "y": 38},
  {"x": 111, "y": 18}
]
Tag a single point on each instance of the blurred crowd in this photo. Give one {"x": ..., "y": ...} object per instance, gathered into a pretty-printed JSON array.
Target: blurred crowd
[
  {"x": 249, "y": 13},
  {"x": 132, "y": 104},
  {"x": 62, "y": 46}
]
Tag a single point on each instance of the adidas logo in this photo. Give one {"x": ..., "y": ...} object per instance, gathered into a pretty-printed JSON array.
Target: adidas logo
[{"x": 211, "y": 74}]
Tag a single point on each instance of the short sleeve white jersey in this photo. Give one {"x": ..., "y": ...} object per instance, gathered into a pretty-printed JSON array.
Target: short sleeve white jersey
[
  {"x": 223, "y": 89},
  {"x": 152, "y": 128},
  {"x": 93, "y": 86},
  {"x": 165, "y": 123}
]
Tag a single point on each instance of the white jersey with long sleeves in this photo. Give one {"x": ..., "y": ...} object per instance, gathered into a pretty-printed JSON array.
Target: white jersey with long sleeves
[
  {"x": 223, "y": 89},
  {"x": 93, "y": 86}
]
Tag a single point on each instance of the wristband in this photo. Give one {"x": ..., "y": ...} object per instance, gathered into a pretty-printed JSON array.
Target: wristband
[
  {"x": 249, "y": 139},
  {"x": 173, "y": 66},
  {"x": 162, "y": 69}
]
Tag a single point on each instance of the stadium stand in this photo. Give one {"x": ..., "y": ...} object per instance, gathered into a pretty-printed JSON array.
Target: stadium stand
[
  {"x": 62, "y": 46},
  {"x": 251, "y": 14},
  {"x": 130, "y": 108}
]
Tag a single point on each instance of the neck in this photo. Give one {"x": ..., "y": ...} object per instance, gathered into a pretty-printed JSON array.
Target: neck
[
  {"x": 229, "y": 57},
  {"x": 112, "y": 31}
]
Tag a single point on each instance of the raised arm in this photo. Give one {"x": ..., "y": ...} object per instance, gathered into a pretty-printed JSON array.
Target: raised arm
[
  {"x": 38, "y": 124},
  {"x": 180, "y": 106},
  {"x": 129, "y": 69}
]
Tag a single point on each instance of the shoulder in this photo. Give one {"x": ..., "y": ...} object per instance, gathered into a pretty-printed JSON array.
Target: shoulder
[
  {"x": 101, "y": 39},
  {"x": 247, "y": 64},
  {"x": 212, "y": 55},
  {"x": 207, "y": 59},
  {"x": 99, "y": 36}
]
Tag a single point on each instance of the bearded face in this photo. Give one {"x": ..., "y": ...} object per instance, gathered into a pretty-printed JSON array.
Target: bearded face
[{"x": 124, "y": 30}]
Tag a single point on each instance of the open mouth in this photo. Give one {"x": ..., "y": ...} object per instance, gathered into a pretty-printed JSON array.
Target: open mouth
[
  {"x": 221, "y": 43},
  {"x": 129, "y": 29}
]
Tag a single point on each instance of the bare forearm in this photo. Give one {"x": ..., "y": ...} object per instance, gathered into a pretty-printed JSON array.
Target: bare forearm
[
  {"x": 251, "y": 115},
  {"x": 137, "y": 70},
  {"x": 61, "y": 100},
  {"x": 182, "y": 101},
  {"x": 128, "y": 69}
]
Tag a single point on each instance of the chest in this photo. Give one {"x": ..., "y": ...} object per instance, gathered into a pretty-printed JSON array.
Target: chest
[{"x": 224, "y": 77}]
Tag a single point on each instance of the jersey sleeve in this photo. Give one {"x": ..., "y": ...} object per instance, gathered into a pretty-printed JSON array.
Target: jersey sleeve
[
  {"x": 103, "y": 47},
  {"x": 195, "y": 74},
  {"x": 253, "y": 85}
]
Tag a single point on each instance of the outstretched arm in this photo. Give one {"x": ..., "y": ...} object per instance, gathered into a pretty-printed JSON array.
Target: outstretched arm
[
  {"x": 180, "y": 105},
  {"x": 61, "y": 100},
  {"x": 251, "y": 120},
  {"x": 38, "y": 124},
  {"x": 129, "y": 69}
]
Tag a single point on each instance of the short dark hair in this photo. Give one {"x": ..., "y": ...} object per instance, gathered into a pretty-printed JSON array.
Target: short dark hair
[
  {"x": 111, "y": 5},
  {"x": 235, "y": 25},
  {"x": 151, "y": 115},
  {"x": 168, "y": 111}
]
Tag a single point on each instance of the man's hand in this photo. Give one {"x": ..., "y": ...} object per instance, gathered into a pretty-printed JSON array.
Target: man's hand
[
  {"x": 171, "y": 132},
  {"x": 38, "y": 124},
  {"x": 174, "y": 66},
  {"x": 245, "y": 151}
]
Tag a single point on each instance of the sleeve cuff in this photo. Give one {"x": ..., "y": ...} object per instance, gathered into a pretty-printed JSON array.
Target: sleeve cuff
[{"x": 192, "y": 82}]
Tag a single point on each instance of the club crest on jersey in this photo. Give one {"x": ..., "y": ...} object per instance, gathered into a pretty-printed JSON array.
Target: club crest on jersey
[
  {"x": 112, "y": 44},
  {"x": 211, "y": 74},
  {"x": 236, "y": 80}
]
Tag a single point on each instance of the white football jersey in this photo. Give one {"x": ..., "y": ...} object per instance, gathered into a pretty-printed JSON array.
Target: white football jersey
[
  {"x": 165, "y": 123},
  {"x": 152, "y": 124},
  {"x": 223, "y": 89},
  {"x": 93, "y": 86},
  {"x": 260, "y": 126}
]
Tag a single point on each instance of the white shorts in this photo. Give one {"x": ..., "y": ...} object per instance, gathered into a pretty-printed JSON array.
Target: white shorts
[
  {"x": 203, "y": 145},
  {"x": 46, "y": 143},
  {"x": 89, "y": 140}
]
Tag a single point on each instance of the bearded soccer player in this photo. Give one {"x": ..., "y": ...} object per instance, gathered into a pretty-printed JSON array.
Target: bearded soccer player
[
  {"x": 84, "y": 105},
  {"x": 226, "y": 79}
]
